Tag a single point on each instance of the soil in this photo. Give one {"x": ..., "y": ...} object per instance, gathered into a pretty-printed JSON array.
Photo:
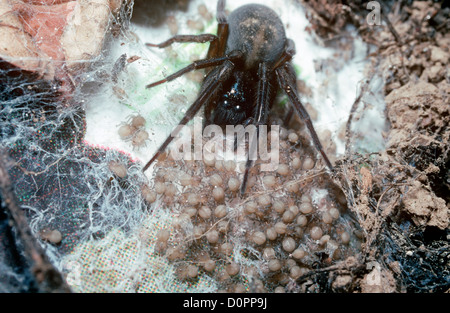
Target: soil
[{"x": 401, "y": 195}]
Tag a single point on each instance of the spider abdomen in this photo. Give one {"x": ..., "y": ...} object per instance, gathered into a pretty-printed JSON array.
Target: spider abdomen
[{"x": 258, "y": 33}]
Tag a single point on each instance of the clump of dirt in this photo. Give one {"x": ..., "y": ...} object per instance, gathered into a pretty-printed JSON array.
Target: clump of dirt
[{"x": 400, "y": 196}]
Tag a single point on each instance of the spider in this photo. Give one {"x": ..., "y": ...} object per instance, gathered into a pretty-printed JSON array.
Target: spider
[{"x": 250, "y": 60}]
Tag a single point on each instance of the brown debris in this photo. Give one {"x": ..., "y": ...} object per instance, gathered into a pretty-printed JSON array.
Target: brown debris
[
  {"x": 425, "y": 208},
  {"x": 379, "y": 280},
  {"x": 50, "y": 38},
  {"x": 407, "y": 184}
]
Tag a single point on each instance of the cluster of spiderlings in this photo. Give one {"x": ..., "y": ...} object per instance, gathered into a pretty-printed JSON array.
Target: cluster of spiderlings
[
  {"x": 68, "y": 190},
  {"x": 289, "y": 222},
  {"x": 134, "y": 131}
]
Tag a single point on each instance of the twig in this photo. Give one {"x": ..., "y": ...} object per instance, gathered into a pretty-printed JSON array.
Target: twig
[
  {"x": 48, "y": 278},
  {"x": 391, "y": 28},
  {"x": 398, "y": 39},
  {"x": 350, "y": 117},
  {"x": 27, "y": 172},
  {"x": 350, "y": 264}
]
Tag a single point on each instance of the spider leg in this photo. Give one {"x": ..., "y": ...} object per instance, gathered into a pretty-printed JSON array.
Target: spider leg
[
  {"x": 260, "y": 117},
  {"x": 195, "y": 66},
  {"x": 287, "y": 81},
  {"x": 202, "y": 38},
  {"x": 287, "y": 118},
  {"x": 288, "y": 54},
  {"x": 223, "y": 73},
  {"x": 237, "y": 139},
  {"x": 217, "y": 43},
  {"x": 217, "y": 47},
  {"x": 221, "y": 17}
]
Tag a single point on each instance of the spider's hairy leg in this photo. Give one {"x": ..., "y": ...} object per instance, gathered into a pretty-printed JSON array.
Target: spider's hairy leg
[
  {"x": 196, "y": 65},
  {"x": 217, "y": 47},
  {"x": 260, "y": 118},
  {"x": 287, "y": 81},
  {"x": 288, "y": 54},
  {"x": 223, "y": 73},
  {"x": 221, "y": 17},
  {"x": 202, "y": 38}
]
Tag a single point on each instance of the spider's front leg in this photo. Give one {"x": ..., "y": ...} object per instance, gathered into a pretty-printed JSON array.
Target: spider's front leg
[
  {"x": 214, "y": 82},
  {"x": 217, "y": 47},
  {"x": 216, "y": 52},
  {"x": 222, "y": 74},
  {"x": 217, "y": 43},
  {"x": 216, "y": 57},
  {"x": 260, "y": 118},
  {"x": 196, "y": 65},
  {"x": 184, "y": 39},
  {"x": 287, "y": 81}
]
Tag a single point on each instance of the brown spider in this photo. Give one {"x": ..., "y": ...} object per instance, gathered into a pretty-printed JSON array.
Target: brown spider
[{"x": 251, "y": 58}]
